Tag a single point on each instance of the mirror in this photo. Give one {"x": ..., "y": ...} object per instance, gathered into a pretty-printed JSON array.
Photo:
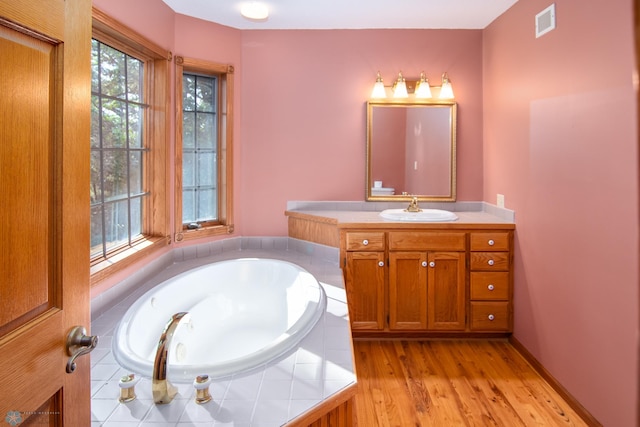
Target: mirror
[{"x": 411, "y": 150}]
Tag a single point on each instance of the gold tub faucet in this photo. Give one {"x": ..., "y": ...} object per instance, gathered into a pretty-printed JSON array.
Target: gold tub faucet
[{"x": 163, "y": 390}]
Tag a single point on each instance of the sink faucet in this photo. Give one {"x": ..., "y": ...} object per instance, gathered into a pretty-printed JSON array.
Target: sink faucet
[
  {"x": 413, "y": 206},
  {"x": 163, "y": 390}
]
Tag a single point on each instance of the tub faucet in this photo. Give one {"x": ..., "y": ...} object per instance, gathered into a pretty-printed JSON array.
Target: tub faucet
[
  {"x": 413, "y": 206},
  {"x": 163, "y": 390}
]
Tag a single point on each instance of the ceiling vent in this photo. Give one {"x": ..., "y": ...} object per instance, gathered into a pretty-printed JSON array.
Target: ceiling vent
[{"x": 546, "y": 20}]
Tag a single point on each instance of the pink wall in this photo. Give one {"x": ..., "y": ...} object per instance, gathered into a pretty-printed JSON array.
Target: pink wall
[
  {"x": 151, "y": 18},
  {"x": 304, "y": 113},
  {"x": 300, "y": 102},
  {"x": 560, "y": 142}
]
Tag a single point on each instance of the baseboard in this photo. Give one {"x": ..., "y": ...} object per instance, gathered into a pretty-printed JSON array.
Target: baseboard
[{"x": 559, "y": 388}]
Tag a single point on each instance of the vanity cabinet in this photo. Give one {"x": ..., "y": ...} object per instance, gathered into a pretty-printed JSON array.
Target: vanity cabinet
[
  {"x": 490, "y": 281},
  {"x": 420, "y": 281},
  {"x": 426, "y": 280},
  {"x": 365, "y": 265}
]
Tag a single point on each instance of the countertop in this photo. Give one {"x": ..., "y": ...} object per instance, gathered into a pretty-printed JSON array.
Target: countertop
[{"x": 368, "y": 219}]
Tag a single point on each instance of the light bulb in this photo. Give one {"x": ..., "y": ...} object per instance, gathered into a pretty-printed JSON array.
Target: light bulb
[
  {"x": 400, "y": 88},
  {"x": 378, "y": 88},
  {"x": 446, "y": 91},
  {"x": 423, "y": 90}
]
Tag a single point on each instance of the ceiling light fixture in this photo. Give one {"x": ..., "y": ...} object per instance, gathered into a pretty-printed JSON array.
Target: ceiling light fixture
[{"x": 255, "y": 11}]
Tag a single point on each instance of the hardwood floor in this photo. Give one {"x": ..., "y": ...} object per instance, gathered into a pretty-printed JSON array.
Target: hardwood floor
[{"x": 453, "y": 383}]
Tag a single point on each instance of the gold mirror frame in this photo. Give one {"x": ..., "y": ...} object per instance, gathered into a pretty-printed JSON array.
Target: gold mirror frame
[{"x": 447, "y": 111}]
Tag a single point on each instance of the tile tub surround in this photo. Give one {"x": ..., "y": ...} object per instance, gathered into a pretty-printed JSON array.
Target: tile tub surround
[{"x": 321, "y": 366}]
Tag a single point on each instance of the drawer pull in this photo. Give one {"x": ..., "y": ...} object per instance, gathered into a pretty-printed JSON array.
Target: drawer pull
[
  {"x": 491, "y": 317},
  {"x": 424, "y": 263},
  {"x": 491, "y": 262},
  {"x": 432, "y": 264},
  {"x": 490, "y": 287},
  {"x": 365, "y": 242},
  {"x": 491, "y": 242},
  {"x": 381, "y": 263}
]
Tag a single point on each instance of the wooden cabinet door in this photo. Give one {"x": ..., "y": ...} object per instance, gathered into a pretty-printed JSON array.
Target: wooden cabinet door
[
  {"x": 407, "y": 291},
  {"x": 45, "y": 81},
  {"x": 365, "y": 279},
  {"x": 446, "y": 290}
]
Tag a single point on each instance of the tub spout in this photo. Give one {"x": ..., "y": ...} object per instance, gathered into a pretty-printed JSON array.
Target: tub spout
[{"x": 163, "y": 390}]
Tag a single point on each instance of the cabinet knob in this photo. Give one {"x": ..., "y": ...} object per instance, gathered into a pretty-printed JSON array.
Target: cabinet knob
[
  {"x": 432, "y": 264},
  {"x": 424, "y": 263},
  {"x": 490, "y": 287},
  {"x": 365, "y": 242},
  {"x": 491, "y": 242},
  {"x": 491, "y": 317},
  {"x": 491, "y": 262},
  {"x": 381, "y": 263}
]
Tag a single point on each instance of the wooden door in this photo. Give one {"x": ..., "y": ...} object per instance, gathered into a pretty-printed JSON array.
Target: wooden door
[
  {"x": 407, "y": 290},
  {"x": 446, "y": 290},
  {"x": 45, "y": 79},
  {"x": 365, "y": 276}
]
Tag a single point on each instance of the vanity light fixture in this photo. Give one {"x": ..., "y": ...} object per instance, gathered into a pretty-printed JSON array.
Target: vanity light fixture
[
  {"x": 412, "y": 88},
  {"x": 255, "y": 11},
  {"x": 423, "y": 90},
  {"x": 400, "y": 87},
  {"x": 378, "y": 88},
  {"x": 446, "y": 91}
]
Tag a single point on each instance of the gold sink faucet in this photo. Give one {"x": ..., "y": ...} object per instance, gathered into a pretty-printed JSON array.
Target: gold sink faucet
[{"x": 413, "y": 206}]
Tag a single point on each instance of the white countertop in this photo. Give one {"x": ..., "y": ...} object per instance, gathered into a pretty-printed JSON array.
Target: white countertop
[
  {"x": 346, "y": 214},
  {"x": 366, "y": 217}
]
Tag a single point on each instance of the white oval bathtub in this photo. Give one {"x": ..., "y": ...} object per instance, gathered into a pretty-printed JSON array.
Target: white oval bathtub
[{"x": 242, "y": 314}]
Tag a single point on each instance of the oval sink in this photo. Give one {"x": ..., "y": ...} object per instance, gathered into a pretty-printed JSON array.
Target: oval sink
[{"x": 425, "y": 215}]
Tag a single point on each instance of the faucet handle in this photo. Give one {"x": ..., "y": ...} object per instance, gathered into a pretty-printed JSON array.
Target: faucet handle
[
  {"x": 127, "y": 386},
  {"x": 201, "y": 384}
]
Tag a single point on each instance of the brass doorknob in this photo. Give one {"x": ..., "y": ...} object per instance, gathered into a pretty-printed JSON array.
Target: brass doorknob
[{"x": 78, "y": 344}]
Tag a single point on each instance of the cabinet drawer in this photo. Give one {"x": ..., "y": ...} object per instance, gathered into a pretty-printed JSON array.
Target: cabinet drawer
[
  {"x": 489, "y": 241},
  {"x": 490, "y": 286},
  {"x": 423, "y": 241},
  {"x": 490, "y": 261},
  {"x": 365, "y": 241},
  {"x": 490, "y": 316}
]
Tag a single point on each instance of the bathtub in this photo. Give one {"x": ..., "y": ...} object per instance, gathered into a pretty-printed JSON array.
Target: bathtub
[{"x": 243, "y": 313}]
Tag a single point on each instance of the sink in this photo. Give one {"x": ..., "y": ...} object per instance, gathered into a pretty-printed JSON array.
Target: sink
[{"x": 425, "y": 215}]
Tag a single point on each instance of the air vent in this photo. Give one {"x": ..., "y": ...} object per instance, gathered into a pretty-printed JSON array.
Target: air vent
[{"x": 546, "y": 20}]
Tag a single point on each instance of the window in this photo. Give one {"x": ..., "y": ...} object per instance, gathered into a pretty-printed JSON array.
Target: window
[
  {"x": 117, "y": 149},
  {"x": 129, "y": 204},
  {"x": 204, "y": 94},
  {"x": 199, "y": 149}
]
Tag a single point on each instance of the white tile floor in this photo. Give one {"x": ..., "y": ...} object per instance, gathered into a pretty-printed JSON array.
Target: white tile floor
[{"x": 269, "y": 396}]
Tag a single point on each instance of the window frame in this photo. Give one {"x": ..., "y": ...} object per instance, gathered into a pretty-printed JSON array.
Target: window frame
[
  {"x": 225, "y": 75},
  {"x": 155, "y": 221}
]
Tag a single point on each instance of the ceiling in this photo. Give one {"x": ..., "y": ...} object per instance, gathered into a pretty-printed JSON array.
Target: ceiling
[{"x": 349, "y": 14}]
